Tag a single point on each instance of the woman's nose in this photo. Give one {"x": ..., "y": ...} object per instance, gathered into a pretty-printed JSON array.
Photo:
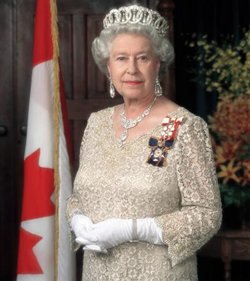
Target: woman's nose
[{"x": 132, "y": 67}]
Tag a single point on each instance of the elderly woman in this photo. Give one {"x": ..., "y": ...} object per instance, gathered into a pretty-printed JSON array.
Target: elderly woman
[{"x": 145, "y": 196}]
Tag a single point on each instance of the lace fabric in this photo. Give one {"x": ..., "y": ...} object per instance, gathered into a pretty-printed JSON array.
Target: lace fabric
[{"x": 183, "y": 197}]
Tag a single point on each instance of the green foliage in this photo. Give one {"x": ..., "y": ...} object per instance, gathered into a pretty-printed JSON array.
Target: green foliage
[{"x": 225, "y": 66}]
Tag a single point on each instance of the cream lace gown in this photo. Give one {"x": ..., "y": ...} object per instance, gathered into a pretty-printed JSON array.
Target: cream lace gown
[{"x": 117, "y": 182}]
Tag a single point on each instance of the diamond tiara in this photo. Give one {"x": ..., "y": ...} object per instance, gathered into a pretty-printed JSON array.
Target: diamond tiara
[{"x": 136, "y": 15}]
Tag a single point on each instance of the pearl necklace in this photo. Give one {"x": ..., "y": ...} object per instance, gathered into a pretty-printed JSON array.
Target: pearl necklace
[{"x": 131, "y": 123}]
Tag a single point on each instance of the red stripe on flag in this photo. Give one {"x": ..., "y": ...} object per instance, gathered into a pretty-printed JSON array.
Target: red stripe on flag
[{"x": 43, "y": 46}]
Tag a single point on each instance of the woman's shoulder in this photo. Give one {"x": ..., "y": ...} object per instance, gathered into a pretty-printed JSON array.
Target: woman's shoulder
[
  {"x": 101, "y": 115},
  {"x": 99, "y": 121},
  {"x": 169, "y": 108},
  {"x": 191, "y": 125},
  {"x": 187, "y": 116}
]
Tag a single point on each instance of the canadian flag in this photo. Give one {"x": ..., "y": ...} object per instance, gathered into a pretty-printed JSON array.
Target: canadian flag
[{"x": 44, "y": 247}]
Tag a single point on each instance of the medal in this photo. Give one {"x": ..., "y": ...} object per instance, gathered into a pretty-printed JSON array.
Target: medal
[{"x": 160, "y": 146}]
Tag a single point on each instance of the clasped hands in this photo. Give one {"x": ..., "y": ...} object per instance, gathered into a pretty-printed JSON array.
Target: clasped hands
[
  {"x": 103, "y": 235},
  {"x": 112, "y": 232}
]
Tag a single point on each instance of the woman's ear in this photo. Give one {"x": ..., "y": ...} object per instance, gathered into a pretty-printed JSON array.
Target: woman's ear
[
  {"x": 108, "y": 70},
  {"x": 158, "y": 65},
  {"x": 157, "y": 72}
]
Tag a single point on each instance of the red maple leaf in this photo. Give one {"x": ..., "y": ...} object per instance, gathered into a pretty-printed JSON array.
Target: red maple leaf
[
  {"x": 38, "y": 188},
  {"x": 27, "y": 262}
]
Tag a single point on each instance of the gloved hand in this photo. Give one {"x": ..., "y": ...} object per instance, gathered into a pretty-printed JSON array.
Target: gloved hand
[
  {"x": 109, "y": 233},
  {"x": 81, "y": 226},
  {"x": 112, "y": 232}
]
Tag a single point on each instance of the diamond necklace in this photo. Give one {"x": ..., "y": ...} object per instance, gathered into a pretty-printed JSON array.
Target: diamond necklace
[{"x": 131, "y": 123}]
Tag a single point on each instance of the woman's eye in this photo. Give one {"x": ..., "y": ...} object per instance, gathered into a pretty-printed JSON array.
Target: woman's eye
[
  {"x": 121, "y": 58},
  {"x": 143, "y": 58}
]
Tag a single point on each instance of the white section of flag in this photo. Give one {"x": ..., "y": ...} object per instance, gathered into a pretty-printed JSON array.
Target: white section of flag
[
  {"x": 40, "y": 122},
  {"x": 66, "y": 266}
]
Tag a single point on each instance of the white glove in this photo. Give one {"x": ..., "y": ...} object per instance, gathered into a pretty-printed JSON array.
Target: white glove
[
  {"x": 94, "y": 248},
  {"x": 81, "y": 226},
  {"x": 149, "y": 231},
  {"x": 112, "y": 232}
]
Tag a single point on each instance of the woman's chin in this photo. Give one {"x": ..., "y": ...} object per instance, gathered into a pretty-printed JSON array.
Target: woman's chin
[{"x": 134, "y": 94}]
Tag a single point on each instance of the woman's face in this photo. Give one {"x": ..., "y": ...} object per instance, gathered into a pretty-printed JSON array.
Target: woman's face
[{"x": 133, "y": 66}]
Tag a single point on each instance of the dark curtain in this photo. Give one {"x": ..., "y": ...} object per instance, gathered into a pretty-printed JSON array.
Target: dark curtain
[{"x": 216, "y": 18}]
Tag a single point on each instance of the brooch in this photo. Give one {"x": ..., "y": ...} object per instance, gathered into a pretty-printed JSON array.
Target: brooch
[{"x": 160, "y": 146}]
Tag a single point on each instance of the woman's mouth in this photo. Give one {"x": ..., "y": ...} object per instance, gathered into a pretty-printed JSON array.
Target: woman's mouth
[{"x": 133, "y": 83}]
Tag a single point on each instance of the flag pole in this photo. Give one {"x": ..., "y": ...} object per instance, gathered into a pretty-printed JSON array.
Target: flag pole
[{"x": 56, "y": 121}]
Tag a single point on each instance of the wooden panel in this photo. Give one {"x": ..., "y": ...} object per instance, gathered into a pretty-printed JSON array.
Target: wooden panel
[
  {"x": 241, "y": 249},
  {"x": 79, "y": 57},
  {"x": 7, "y": 147},
  {"x": 97, "y": 82},
  {"x": 166, "y": 8},
  {"x": 96, "y": 6},
  {"x": 66, "y": 52},
  {"x": 24, "y": 45},
  {"x": 23, "y": 69}
]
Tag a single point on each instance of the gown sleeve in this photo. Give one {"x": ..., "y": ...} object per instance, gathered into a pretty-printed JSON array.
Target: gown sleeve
[{"x": 199, "y": 216}]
